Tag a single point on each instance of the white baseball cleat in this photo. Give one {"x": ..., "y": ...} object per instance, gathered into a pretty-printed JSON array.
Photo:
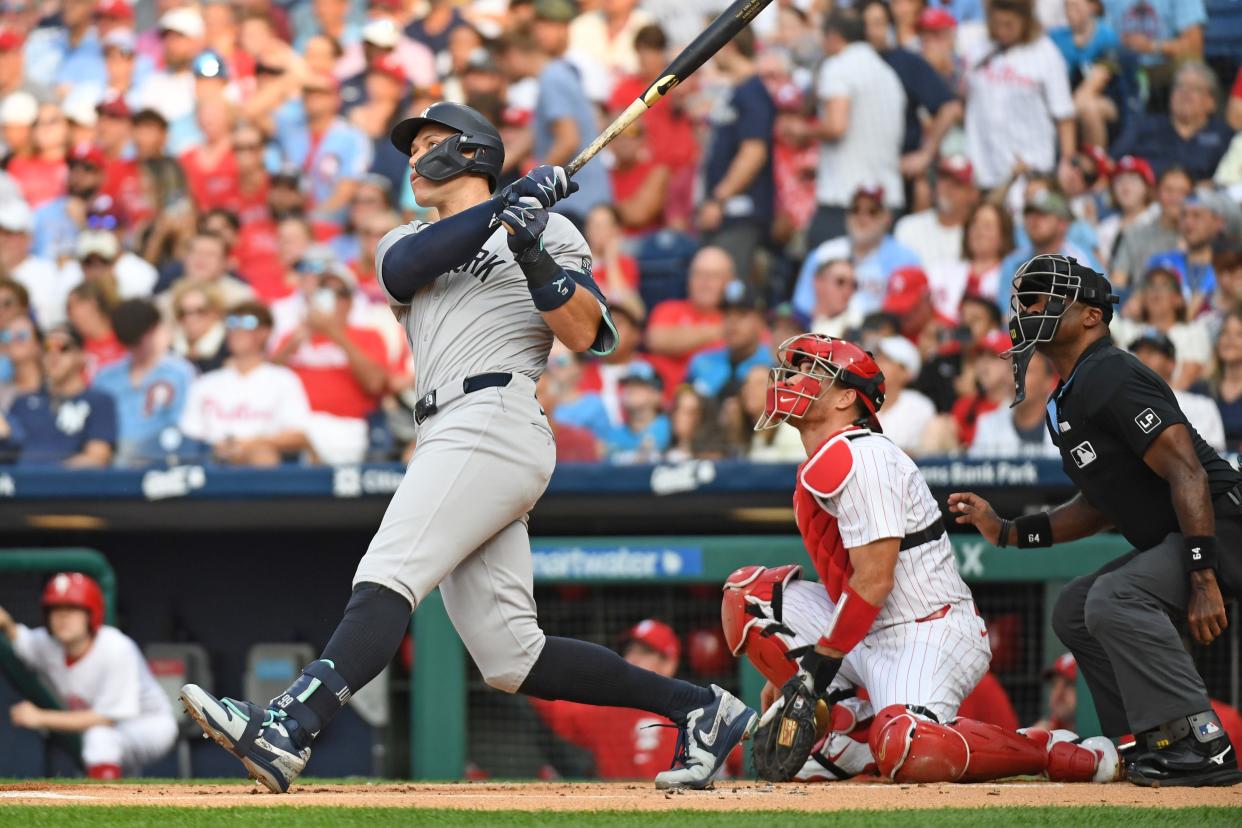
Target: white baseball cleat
[{"x": 708, "y": 736}]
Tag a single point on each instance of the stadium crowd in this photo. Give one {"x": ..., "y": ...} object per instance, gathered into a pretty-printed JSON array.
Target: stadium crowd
[{"x": 192, "y": 194}]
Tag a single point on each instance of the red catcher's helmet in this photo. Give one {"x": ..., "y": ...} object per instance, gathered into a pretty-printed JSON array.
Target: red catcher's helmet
[
  {"x": 73, "y": 589},
  {"x": 807, "y": 366}
]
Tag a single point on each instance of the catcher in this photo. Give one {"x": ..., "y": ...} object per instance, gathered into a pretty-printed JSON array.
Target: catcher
[{"x": 891, "y": 612}]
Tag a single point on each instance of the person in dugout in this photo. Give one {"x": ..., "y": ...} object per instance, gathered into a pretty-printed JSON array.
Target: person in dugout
[{"x": 98, "y": 672}]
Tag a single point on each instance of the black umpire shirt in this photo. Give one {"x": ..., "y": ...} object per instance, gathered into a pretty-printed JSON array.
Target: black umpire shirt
[{"x": 1103, "y": 417}]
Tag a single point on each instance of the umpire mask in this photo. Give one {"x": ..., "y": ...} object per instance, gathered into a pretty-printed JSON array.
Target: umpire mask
[{"x": 1057, "y": 282}]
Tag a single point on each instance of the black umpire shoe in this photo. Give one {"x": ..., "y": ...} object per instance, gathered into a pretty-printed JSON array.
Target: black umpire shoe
[{"x": 1194, "y": 752}]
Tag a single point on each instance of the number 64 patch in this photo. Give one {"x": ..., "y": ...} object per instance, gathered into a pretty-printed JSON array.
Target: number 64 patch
[{"x": 1147, "y": 420}]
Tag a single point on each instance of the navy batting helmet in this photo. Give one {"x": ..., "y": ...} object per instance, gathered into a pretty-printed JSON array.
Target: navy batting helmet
[{"x": 448, "y": 159}]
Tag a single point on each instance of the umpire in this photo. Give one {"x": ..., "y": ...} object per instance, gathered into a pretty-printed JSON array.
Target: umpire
[{"x": 1142, "y": 469}]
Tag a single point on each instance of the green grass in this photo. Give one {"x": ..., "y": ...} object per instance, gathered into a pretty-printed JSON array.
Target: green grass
[{"x": 326, "y": 817}]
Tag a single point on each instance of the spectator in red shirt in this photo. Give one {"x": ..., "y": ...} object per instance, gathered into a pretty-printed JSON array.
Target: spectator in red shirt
[
  {"x": 614, "y": 271},
  {"x": 342, "y": 368},
  {"x": 639, "y": 181},
  {"x": 680, "y": 328},
  {"x": 250, "y": 202},
  {"x": 909, "y": 299},
  {"x": 211, "y": 167},
  {"x": 993, "y": 386},
  {"x": 89, "y": 309},
  {"x": 43, "y": 174},
  {"x": 121, "y": 182},
  {"x": 625, "y": 743}
]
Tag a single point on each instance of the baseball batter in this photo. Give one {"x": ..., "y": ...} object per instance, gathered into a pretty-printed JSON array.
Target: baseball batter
[
  {"x": 481, "y": 293},
  {"x": 891, "y": 614},
  {"x": 99, "y": 673}
]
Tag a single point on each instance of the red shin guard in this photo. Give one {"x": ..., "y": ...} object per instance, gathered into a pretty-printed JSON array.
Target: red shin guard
[{"x": 910, "y": 748}]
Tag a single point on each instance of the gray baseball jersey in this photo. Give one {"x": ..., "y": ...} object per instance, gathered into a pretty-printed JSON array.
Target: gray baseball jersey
[{"x": 481, "y": 317}]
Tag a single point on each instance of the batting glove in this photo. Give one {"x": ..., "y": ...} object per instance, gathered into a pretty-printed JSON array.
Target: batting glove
[
  {"x": 547, "y": 183},
  {"x": 525, "y": 220}
]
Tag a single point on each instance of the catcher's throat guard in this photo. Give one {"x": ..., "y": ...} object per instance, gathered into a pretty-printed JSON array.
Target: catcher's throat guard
[{"x": 1043, "y": 290}]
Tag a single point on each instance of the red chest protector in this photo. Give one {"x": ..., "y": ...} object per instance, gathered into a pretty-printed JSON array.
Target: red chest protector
[{"x": 823, "y": 475}]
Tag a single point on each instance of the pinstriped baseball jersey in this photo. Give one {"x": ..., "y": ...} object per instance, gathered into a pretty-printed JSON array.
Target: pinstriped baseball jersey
[
  {"x": 480, "y": 317},
  {"x": 885, "y": 496}
]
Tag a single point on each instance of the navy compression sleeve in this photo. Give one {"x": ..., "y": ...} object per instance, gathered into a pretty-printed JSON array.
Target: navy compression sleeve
[{"x": 417, "y": 259}]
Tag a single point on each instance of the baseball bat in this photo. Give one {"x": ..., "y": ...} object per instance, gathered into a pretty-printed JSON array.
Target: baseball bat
[{"x": 723, "y": 29}]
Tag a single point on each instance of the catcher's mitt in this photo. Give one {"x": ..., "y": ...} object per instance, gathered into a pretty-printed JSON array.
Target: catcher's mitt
[{"x": 787, "y": 732}]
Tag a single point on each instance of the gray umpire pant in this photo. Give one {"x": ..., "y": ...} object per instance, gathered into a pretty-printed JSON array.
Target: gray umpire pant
[{"x": 1120, "y": 625}]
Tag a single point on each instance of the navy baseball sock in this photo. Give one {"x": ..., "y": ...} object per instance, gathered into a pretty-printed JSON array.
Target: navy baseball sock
[
  {"x": 376, "y": 618},
  {"x": 580, "y": 671}
]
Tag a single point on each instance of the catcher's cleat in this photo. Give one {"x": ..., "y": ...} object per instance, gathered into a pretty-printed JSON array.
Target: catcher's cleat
[
  {"x": 705, "y": 741},
  {"x": 262, "y": 739}
]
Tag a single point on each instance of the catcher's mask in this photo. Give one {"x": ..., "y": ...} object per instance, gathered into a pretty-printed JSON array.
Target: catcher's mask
[
  {"x": 806, "y": 367},
  {"x": 1058, "y": 282}
]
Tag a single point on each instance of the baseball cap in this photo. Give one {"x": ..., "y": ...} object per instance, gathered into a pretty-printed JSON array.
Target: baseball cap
[
  {"x": 19, "y": 108},
  {"x": 80, "y": 111},
  {"x": 1066, "y": 666},
  {"x": 184, "y": 21},
  {"x": 639, "y": 371},
  {"x": 1104, "y": 165},
  {"x": 100, "y": 243},
  {"x": 1152, "y": 338},
  {"x": 114, "y": 10},
  {"x": 657, "y": 635},
  {"x": 1168, "y": 262},
  {"x": 339, "y": 270},
  {"x": 868, "y": 189},
  {"x": 1051, "y": 203},
  {"x": 11, "y": 39},
  {"x": 901, "y": 351},
  {"x": 935, "y": 20},
  {"x": 1136, "y": 165},
  {"x": 739, "y": 296},
  {"x": 382, "y": 33},
  {"x": 994, "y": 342},
  {"x": 390, "y": 66},
  {"x": 121, "y": 39},
  {"x": 209, "y": 64},
  {"x": 16, "y": 216},
  {"x": 114, "y": 106},
  {"x": 557, "y": 11},
  {"x": 906, "y": 286},
  {"x": 1216, "y": 202},
  {"x": 957, "y": 167},
  {"x": 87, "y": 153}
]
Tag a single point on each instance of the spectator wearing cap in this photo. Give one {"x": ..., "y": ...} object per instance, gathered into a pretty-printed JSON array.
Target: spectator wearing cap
[
  {"x": 909, "y": 301},
  {"x": 80, "y": 113},
  {"x": 993, "y": 386},
  {"x": 906, "y": 412},
  {"x": 64, "y": 55},
  {"x": 65, "y": 423},
  {"x": 58, "y": 221},
  {"x": 927, "y": 94},
  {"x": 614, "y": 271},
  {"x": 868, "y": 243},
  {"x": 1046, "y": 220},
  {"x": 343, "y": 369},
  {"x": 305, "y": 264},
  {"x": 737, "y": 211},
  {"x": 21, "y": 367},
  {"x": 1160, "y": 305},
  {"x": 250, "y": 412},
  {"x": 935, "y": 234},
  {"x": 937, "y": 30},
  {"x": 210, "y": 165},
  {"x": 623, "y": 743},
  {"x": 149, "y": 385},
  {"x": 39, "y": 277},
  {"x": 1019, "y": 110},
  {"x": 1062, "y": 704},
  {"x": 1020, "y": 431},
  {"x": 1147, "y": 237},
  {"x": 1131, "y": 189},
  {"x": 608, "y": 32},
  {"x": 861, "y": 127},
  {"x": 18, "y": 112},
  {"x": 99, "y": 258},
  {"x": 835, "y": 286},
  {"x": 333, "y": 154},
  {"x": 198, "y": 326},
  {"x": 680, "y": 328},
  {"x": 717, "y": 373},
  {"x": 171, "y": 90},
  {"x": 1190, "y": 134},
  {"x": 1157, "y": 352},
  {"x": 383, "y": 40},
  {"x": 1092, "y": 52},
  {"x": 88, "y": 309},
  {"x": 124, "y": 68},
  {"x": 1202, "y": 223},
  {"x": 42, "y": 174},
  {"x": 645, "y": 432}
]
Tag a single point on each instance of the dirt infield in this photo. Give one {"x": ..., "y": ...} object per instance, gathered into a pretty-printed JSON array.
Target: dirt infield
[{"x": 567, "y": 796}]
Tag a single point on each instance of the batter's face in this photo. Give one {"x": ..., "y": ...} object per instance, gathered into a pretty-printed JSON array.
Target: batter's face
[{"x": 426, "y": 192}]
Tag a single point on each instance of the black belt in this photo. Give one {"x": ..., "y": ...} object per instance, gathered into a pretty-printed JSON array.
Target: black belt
[
  {"x": 427, "y": 406},
  {"x": 933, "y": 531}
]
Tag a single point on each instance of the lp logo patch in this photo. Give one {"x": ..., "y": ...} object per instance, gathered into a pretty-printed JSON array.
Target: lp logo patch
[
  {"x": 1084, "y": 454},
  {"x": 1147, "y": 420}
]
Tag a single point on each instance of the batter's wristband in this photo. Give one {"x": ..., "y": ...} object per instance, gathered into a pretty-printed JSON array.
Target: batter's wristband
[
  {"x": 851, "y": 621},
  {"x": 550, "y": 286},
  {"x": 1200, "y": 552},
  {"x": 1033, "y": 530}
]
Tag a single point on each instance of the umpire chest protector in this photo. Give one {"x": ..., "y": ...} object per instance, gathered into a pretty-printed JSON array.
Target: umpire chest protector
[{"x": 1103, "y": 418}]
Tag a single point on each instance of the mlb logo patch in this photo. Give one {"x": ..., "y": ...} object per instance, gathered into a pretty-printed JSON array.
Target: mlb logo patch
[
  {"x": 1084, "y": 454},
  {"x": 1208, "y": 728},
  {"x": 1147, "y": 420}
]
